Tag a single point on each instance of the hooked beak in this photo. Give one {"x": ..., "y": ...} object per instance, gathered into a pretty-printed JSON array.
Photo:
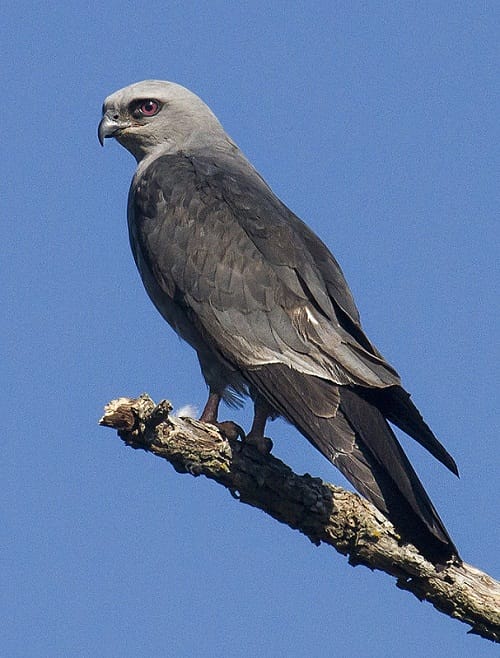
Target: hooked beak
[{"x": 110, "y": 127}]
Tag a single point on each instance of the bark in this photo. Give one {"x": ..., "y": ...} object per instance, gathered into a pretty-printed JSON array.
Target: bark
[{"x": 321, "y": 511}]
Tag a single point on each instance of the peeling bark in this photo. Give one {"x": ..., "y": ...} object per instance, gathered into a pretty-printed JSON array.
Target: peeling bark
[{"x": 321, "y": 511}]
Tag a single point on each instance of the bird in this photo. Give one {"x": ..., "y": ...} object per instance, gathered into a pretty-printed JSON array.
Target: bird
[{"x": 265, "y": 304}]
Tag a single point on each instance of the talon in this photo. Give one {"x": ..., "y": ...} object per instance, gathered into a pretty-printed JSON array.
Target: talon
[
  {"x": 230, "y": 430},
  {"x": 263, "y": 444}
]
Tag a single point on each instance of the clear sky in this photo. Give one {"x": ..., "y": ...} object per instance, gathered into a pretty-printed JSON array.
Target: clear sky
[{"x": 377, "y": 123}]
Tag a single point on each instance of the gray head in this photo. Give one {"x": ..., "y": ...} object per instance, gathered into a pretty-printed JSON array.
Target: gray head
[{"x": 157, "y": 116}]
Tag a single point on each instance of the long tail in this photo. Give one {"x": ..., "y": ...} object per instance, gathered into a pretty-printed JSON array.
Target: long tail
[{"x": 354, "y": 435}]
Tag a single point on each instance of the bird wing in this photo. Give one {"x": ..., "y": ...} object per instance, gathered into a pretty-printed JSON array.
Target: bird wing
[{"x": 218, "y": 241}]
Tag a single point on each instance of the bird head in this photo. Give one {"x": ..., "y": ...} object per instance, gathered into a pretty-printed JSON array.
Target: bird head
[{"x": 157, "y": 116}]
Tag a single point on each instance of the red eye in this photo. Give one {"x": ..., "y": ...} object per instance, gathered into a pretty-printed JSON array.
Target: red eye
[{"x": 149, "y": 108}]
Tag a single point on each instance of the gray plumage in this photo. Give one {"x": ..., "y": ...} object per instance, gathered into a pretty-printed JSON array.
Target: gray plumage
[{"x": 264, "y": 303}]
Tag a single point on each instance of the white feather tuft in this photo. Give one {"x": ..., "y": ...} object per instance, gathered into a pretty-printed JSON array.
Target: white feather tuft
[{"x": 186, "y": 411}]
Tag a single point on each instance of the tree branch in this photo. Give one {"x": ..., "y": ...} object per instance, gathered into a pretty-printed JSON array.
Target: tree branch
[{"x": 319, "y": 510}]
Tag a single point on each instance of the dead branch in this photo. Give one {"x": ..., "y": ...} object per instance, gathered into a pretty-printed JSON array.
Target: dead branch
[{"x": 319, "y": 510}]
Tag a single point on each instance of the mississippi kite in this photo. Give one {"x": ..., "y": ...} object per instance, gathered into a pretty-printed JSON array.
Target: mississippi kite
[{"x": 264, "y": 303}]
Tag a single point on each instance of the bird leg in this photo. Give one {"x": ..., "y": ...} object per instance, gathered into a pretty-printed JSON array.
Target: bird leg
[
  {"x": 210, "y": 413},
  {"x": 262, "y": 411},
  {"x": 211, "y": 409}
]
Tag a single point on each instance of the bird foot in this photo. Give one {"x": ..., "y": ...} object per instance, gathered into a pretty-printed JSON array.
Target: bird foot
[
  {"x": 228, "y": 429},
  {"x": 263, "y": 444},
  {"x": 232, "y": 431}
]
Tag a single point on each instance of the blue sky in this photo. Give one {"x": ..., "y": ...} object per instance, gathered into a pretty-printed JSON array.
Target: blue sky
[{"x": 377, "y": 123}]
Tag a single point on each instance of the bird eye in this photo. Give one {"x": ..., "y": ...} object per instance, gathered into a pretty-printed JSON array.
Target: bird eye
[{"x": 148, "y": 108}]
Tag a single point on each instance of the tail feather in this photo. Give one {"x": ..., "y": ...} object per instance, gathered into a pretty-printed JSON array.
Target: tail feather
[
  {"x": 407, "y": 502},
  {"x": 356, "y": 438}
]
